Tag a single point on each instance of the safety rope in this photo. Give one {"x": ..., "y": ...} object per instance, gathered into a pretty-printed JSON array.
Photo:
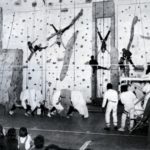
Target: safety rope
[
  {"x": 103, "y": 53},
  {"x": 142, "y": 28},
  {"x": 27, "y": 61},
  {"x": 74, "y": 73},
  {"x": 11, "y": 29}
]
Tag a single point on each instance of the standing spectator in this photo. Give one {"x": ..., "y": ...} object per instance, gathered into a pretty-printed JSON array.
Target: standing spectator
[
  {"x": 24, "y": 139},
  {"x": 128, "y": 99},
  {"x": 11, "y": 139},
  {"x": 112, "y": 97}
]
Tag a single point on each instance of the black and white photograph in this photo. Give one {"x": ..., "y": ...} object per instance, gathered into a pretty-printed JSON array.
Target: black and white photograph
[{"x": 74, "y": 74}]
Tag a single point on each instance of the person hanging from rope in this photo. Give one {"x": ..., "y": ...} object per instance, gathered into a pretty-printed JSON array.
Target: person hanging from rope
[
  {"x": 94, "y": 64},
  {"x": 103, "y": 41},
  {"x": 34, "y": 49},
  {"x": 60, "y": 32},
  {"x": 126, "y": 57}
]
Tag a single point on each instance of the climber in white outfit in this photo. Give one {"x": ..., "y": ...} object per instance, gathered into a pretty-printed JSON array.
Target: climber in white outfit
[
  {"x": 128, "y": 99},
  {"x": 111, "y": 96},
  {"x": 31, "y": 99},
  {"x": 77, "y": 102}
]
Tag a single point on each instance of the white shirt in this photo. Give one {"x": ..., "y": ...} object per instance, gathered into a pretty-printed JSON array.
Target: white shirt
[
  {"x": 110, "y": 95},
  {"x": 128, "y": 98},
  {"x": 28, "y": 141},
  {"x": 146, "y": 88}
]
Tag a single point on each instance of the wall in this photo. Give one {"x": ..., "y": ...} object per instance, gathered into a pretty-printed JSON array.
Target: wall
[
  {"x": 44, "y": 69},
  {"x": 140, "y": 47},
  {"x": 10, "y": 75}
]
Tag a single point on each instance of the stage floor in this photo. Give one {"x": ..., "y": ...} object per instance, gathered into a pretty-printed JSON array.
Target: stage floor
[{"x": 73, "y": 132}]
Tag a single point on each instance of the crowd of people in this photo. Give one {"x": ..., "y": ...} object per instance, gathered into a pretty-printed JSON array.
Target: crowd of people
[
  {"x": 22, "y": 140},
  {"x": 131, "y": 102},
  {"x": 63, "y": 102}
]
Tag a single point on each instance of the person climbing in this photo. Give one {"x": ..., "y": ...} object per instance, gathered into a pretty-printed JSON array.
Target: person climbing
[
  {"x": 126, "y": 57},
  {"x": 94, "y": 64},
  {"x": 34, "y": 49},
  {"x": 103, "y": 41},
  {"x": 60, "y": 32}
]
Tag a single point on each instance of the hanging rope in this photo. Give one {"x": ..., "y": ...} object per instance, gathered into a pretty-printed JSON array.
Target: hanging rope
[
  {"x": 11, "y": 29},
  {"x": 27, "y": 61},
  {"x": 103, "y": 53},
  {"x": 142, "y": 28},
  {"x": 45, "y": 53},
  {"x": 74, "y": 78}
]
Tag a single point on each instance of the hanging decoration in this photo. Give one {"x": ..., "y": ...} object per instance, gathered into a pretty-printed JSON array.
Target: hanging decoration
[{"x": 67, "y": 57}]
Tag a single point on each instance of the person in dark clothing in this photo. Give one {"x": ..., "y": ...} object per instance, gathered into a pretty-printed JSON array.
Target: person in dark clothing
[
  {"x": 34, "y": 49},
  {"x": 11, "y": 139},
  {"x": 94, "y": 64},
  {"x": 2, "y": 139},
  {"x": 148, "y": 68},
  {"x": 103, "y": 41},
  {"x": 39, "y": 143},
  {"x": 127, "y": 56}
]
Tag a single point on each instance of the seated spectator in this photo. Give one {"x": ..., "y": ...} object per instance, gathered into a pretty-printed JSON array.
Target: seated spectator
[
  {"x": 11, "y": 139},
  {"x": 2, "y": 138},
  {"x": 24, "y": 139},
  {"x": 39, "y": 143}
]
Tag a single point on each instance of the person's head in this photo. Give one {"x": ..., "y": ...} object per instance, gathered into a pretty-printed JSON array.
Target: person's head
[
  {"x": 123, "y": 49},
  {"x": 92, "y": 57},
  {"x": 23, "y": 132},
  {"x": 109, "y": 86},
  {"x": 11, "y": 133},
  {"x": 124, "y": 88},
  {"x": 29, "y": 43},
  {"x": 39, "y": 141}
]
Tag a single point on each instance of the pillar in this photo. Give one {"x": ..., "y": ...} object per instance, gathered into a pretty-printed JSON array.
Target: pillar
[{"x": 105, "y": 9}]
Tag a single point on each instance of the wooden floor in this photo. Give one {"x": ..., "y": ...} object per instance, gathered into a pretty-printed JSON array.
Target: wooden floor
[{"x": 73, "y": 132}]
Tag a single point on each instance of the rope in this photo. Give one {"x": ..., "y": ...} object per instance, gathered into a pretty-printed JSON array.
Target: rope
[
  {"x": 103, "y": 53},
  {"x": 11, "y": 29},
  {"x": 142, "y": 28},
  {"x": 27, "y": 62},
  {"x": 74, "y": 77}
]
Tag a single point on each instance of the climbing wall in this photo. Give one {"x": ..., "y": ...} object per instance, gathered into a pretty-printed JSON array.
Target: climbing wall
[
  {"x": 10, "y": 75},
  {"x": 1, "y": 27},
  {"x": 140, "y": 46},
  {"x": 32, "y": 20}
]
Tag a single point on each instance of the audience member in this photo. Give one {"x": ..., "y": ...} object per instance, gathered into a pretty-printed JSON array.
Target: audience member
[
  {"x": 11, "y": 139},
  {"x": 24, "y": 139}
]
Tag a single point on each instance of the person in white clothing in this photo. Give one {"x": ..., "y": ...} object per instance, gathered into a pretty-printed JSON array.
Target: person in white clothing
[
  {"x": 128, "y": 99},
  {"x": 111, "y": 96},
  {"x": 25, "y": 141}
]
